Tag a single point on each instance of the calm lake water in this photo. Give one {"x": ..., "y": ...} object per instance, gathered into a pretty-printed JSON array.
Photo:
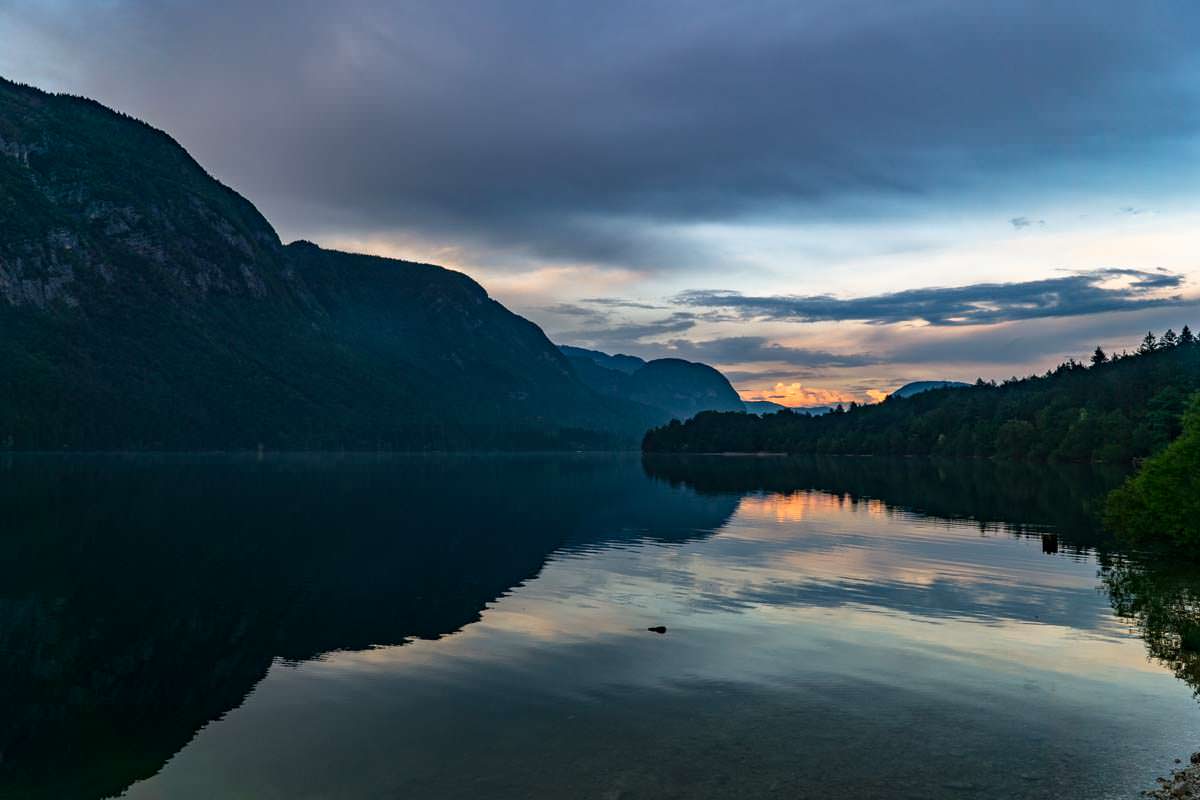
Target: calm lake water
[{"x": 476, "y": 627}]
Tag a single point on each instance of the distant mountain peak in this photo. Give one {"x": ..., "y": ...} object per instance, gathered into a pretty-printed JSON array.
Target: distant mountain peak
[
  {"x": 675, "y": 388},
  {"x": 917, "y": 387}
]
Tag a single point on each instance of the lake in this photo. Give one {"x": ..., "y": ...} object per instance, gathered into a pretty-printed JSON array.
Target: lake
[{"x": 321, "y": 626}]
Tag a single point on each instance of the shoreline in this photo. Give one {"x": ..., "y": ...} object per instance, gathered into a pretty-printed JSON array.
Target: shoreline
[{"x": 1183, "y": 783}]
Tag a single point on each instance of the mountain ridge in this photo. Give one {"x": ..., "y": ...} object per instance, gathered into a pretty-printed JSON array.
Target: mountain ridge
[
  {"x": 673, "y": 387},
  {"x": 146, "y": 305},
  {"x": 917, "y": 387}
]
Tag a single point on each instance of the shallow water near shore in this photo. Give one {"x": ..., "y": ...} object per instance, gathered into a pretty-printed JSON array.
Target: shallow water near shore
[{"x": 476, "y": 626}]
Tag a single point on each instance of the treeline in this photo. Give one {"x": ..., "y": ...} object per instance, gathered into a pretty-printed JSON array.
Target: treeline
[{"x": 1111, "y": 409}]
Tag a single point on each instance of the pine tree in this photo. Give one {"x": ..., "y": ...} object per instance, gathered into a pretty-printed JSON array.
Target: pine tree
[
  {"x": 1186, "y": 336},
  {"x": 1099, "y": 357},
  {"x": 1149, "y": 344},
  {"x": 1169, "y": 339}
]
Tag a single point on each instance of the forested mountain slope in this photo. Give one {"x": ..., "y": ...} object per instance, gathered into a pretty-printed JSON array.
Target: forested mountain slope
[
  {"x": 143, "y": 304},
  {"x": 672, "y": 387}
]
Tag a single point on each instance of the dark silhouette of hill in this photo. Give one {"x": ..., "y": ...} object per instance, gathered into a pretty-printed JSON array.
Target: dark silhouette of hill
[
  {"x": 619, "y": 362},
  {"x": 916, "y": 387},
  {"x": 762, "y": 407},
  {"x": 671, "y": 387},
  {"x": 144, "y": 305}
]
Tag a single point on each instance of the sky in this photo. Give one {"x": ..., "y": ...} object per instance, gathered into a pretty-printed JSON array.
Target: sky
[{"x": 824, "y": 200}]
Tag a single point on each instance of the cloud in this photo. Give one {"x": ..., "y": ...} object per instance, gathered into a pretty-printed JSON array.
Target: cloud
[
  {"x": 753, "y": 349},
  {"x": 534, "y": 131},
  {"x": 740, "y": 377},
  {"x": 593, "y": 315},
  {"x": 614, "y": 302},
  {"x": 797, "y": 394},
  {"x": 627, "y": 337},
  {"x": 556, "y": 152},
  {"x": 1021, "y": 349},
  {"x": 1093, "y": 292}
]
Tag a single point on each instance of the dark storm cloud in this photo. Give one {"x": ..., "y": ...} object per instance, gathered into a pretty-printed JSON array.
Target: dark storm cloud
[
  {"x": 570, "y": 130},
  {"x": 977, "y": 304}
]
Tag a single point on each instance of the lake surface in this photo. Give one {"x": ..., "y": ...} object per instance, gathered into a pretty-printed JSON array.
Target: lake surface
[{"x": 476, "y": 627}]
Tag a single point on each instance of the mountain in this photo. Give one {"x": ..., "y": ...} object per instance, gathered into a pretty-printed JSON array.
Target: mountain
[
  {"x": 145, "y": 305},
  {"x": 916, "y": 387},
  {"x": 619, "y": 362},
  {"x": 670, "y": 387},
  {"x": 683, "y": 388},
  {"x": 1113, "y": 411},
  {"x": 762, "y": 407}
]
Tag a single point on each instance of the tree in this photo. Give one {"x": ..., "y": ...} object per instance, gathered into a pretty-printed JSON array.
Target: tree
[
  {"x": 1169, "y": 339},
  {"x": 1162, "y": 501},
  {"x": 1015, "y": 439},
  {"x": 1149, "y": 344},
  {"x": 1099, "y": 357},
  {"x": 1186, "y": 336}
]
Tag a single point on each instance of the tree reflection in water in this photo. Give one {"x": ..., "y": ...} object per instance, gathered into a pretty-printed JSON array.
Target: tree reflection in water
[
  {"x": 1160, "y": 596},
  {"x": 1156, "y": 592}
]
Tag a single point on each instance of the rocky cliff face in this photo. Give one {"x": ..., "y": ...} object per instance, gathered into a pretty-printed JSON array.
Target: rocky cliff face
[
  {"x": 143, "y": 304},
  {"x": 90, "y": 198}
]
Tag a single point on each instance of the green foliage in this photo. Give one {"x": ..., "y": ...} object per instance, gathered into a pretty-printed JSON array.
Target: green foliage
[
  {"x": 1162, "y": 501},
  {"x": 1117, "y": 410}
]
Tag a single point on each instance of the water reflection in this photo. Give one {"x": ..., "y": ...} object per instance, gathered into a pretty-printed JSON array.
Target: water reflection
[
  {"x": 1162, "y": 598},
  {"x": 142, "y": 597},
  {"x": 818, "y": 610},
  {"x": 1060, "y": 504},
  {"x": 1022, "y": 498}
]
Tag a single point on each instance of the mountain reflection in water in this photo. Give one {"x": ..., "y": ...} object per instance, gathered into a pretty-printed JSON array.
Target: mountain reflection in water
[{"x": 142, "y": 598}]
